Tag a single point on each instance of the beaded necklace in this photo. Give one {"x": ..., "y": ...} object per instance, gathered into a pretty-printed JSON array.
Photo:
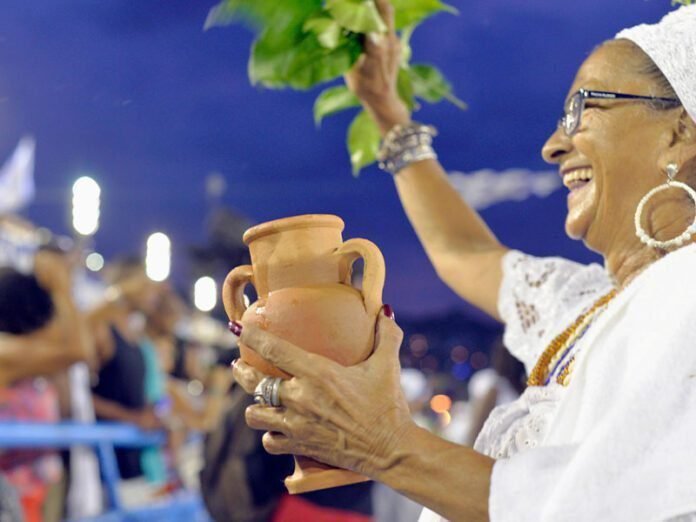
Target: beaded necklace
[{"x": 558, "y": 353}]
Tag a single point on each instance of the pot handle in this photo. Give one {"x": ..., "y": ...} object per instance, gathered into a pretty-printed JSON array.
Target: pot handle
[
  {"x": 374, "y": 272},
  {"x": 233, "y": 291}
]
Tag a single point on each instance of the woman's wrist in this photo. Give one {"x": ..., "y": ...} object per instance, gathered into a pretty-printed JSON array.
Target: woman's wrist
[
  {"x": 427, "y": 469},
  {"x": 402, "y": 448},
  {"x": 389, "y": 113}
]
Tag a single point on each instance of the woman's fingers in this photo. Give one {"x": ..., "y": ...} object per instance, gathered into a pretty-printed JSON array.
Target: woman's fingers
[
  {"x": 284, "y": 354},
  {"x": 386, "y": 10},
  {"x": 268, "y": 419},
  {"x": 388, "y": 338},
  {"x": 278, "y": 444},
  {"x": 287, "y": 432},
  {"x": 246, "y": 376}
]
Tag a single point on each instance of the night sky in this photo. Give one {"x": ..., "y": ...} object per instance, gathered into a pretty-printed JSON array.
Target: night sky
[{"x": 137, "y": 95}]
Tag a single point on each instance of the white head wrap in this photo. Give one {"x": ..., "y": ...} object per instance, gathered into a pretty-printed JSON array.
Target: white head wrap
[{"x": 671, "y": 44}]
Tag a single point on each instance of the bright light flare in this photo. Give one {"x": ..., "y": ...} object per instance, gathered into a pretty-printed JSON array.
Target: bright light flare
[
  {"x": 440, "y": 403},
  {"x": 445, "y": 419},
  {"x": 86, "y": 204},
  {"x": 158, "y": 258},
  {"x": 94, "y": 262},
  {"x": 205, "y": 294}
]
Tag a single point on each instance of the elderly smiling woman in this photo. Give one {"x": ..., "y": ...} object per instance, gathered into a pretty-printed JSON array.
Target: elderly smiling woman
[{"x": 606, "y": 429}]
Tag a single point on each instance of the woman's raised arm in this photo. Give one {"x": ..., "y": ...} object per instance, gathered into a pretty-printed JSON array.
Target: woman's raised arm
[{"x": 463, "y": 251}]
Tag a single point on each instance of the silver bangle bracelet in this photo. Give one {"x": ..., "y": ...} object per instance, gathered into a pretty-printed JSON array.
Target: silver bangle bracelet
[{"x": 406, "y": 144}]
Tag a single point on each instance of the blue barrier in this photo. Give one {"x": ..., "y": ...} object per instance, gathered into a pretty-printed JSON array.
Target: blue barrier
[{"x": 104, "y": 437}]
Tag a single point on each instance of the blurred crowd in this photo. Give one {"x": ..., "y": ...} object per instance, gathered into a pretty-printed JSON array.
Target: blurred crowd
[{"x": 80, "y": 347}]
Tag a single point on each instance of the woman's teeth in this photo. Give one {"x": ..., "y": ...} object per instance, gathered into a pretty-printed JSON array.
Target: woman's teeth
[{"x": 577, "y": 178}]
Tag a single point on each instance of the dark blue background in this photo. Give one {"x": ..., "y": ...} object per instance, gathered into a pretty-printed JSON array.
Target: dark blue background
[{"x": 137, "y": 95}]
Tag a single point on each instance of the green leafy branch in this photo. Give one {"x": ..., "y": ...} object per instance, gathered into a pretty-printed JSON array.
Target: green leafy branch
[
  {"x": 683, "y": 2},
  {"x": 304, "y": 43}
]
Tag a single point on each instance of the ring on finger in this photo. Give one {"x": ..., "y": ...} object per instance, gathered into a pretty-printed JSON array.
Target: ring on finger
[
  {"x": 267, "y": 392},
  {"x": 275, "y": 393},
  {"x": 262, "y": 391}
]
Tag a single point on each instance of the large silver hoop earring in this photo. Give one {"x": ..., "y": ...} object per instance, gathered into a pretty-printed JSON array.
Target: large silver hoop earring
[{"x": 672, "y": 170}]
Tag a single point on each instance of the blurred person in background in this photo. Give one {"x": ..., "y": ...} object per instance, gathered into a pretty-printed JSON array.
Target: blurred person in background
[
  {"x": 190, "y": 408},
  {"x": 82, "y": 478},
  {"x": 501, "y": 383},
  {"x": 119, "y": 327},
  {"x": 42, "y": 334}
]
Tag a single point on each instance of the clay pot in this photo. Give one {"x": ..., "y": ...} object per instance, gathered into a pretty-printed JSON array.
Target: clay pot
[{"x": 301, "y": 269}]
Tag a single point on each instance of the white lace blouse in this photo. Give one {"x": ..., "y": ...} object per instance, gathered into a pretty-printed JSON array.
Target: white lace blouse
[
  {"x": 619, "y": 442},
  {"x": 539, "y": 298}
]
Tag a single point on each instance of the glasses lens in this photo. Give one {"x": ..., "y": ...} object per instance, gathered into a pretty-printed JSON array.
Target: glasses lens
[{"x": 573, "y": 111}]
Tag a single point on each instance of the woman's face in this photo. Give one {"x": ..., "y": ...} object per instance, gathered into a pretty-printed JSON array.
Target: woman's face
[{"x": 617, "y": 150}]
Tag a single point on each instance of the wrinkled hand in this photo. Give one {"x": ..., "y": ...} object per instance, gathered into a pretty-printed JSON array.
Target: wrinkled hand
[
  {"x": 349, "y": 417},
  {"x": 52, "y": 272},
  {"x": 373, "y": 79}
]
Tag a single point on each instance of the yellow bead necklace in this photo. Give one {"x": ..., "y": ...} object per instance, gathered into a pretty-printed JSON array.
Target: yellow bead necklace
[{"x": 563, "y": 343}]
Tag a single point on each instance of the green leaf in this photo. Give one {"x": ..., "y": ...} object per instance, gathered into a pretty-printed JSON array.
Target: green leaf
[
  {"x": 359, "y": 16},
  {"x": 363, "y": 141},
  {"x": 301, "y": 64},
  {"x": 430, "y": 85},
  {"x": 404, "y": 86},
  {"x": 326, "y": 29},
  {"x": 406, "y": 51},
  {"x": 262, "y": 13},
  {"x": 333, "y": 100},
  {"x": 413, "y": 12}
]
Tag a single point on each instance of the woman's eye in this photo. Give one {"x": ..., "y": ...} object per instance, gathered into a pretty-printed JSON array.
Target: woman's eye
[{"x": 592, "y": 106}]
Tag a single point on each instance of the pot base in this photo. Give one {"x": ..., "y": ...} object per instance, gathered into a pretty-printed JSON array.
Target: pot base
[{"x": 311, "y": 475}]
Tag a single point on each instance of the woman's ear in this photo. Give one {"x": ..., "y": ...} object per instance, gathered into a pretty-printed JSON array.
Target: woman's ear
[{"x": 682, "y": 148}]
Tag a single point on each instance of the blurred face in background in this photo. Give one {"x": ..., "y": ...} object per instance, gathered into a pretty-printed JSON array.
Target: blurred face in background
[
  {"x": 141, "y": 293},
  {"x": 167, "y": 311}
]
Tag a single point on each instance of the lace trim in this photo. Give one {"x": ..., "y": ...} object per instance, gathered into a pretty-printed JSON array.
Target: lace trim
[{"x": 541, "y": 296}]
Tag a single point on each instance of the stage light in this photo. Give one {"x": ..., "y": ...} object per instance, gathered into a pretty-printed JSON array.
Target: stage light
[
  {"x": 158, "y": 257},
  {"x": 94, "y": 262},
  {"x": 205, "y": 294},
  {"x": 86, "y": 196},
  {"x": 440, "y": 403}
]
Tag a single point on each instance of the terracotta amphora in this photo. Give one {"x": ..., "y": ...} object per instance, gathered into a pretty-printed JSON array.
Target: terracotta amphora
[{"x": 301, "y": 269}]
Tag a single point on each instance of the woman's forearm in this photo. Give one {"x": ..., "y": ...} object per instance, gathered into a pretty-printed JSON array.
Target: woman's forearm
[
  {"x": 451, "y": 480},
  {"x": 461, "y": 247},
  {"x": 441, "y": 218}
]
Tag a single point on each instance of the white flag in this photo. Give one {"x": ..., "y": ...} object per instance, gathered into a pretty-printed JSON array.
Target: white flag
[{"x": 17, "y": 177}]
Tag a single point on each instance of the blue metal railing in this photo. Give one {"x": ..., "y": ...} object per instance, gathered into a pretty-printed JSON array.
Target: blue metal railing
[{"x": 104, "y": 437}]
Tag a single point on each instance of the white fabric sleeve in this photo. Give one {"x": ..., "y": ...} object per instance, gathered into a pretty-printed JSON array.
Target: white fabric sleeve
[
  {"x": 630, "y": 417},
  {"x": 537, "y": 295}
]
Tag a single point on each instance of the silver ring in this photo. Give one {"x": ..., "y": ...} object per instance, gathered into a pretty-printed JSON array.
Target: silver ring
[
  {"x": 275, "y": 393},
  {"x": 267, "y": 391},
  {"x": 260, "y": 395}
]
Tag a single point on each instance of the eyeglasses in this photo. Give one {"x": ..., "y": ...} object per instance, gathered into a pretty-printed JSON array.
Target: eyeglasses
[{"x": 570, "y": 122}]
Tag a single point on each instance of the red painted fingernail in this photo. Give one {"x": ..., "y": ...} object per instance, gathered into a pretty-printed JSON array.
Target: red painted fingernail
[
  {"x": 235, "y": 328},
  {"x": 388, "y": 311}
]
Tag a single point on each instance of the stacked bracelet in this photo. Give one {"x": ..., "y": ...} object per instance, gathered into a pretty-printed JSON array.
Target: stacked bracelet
[{"x": 406, "y": 144}]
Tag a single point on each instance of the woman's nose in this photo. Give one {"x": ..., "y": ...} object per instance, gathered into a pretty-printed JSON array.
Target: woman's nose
[{"x": 557, "y": 146}]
